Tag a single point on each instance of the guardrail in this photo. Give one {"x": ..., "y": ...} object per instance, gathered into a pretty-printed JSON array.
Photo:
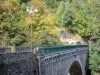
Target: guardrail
[
  {"x": 13, "y": 49},
  {"x": 49, "y": 50},
  {"x": 46, "y": 49}
]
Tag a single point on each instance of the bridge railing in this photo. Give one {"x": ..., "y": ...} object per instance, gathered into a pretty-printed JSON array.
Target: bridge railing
[
  {"x": 5, "y": 50},
  {"x": 54, "y": 49},
  {"x": 13, "y": 49},
  {"x": 29, "y": 48},
  {"x": 43, "y": 49}
]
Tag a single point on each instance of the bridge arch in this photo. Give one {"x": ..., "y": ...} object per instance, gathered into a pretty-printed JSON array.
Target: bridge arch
[{"x": 75, "y": 69}]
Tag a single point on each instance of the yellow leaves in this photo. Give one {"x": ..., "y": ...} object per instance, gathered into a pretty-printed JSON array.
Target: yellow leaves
[
  {"x": 52, "y": 31},
  {"x": 43, "y": 20},
  {"x": 37, "y": 2},
  {"x": 49, "y": 19},
  {"x": 10, "y": 4},
  {"x": 48, "y": 24},
  {"x": 43, "y": 29},
  {"x": 28, "y": 20}
]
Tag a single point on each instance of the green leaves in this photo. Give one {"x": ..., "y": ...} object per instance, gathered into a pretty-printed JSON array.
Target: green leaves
[
  {"x": 94, "y": 53},
  {"x": 78, "y": 16},
  {"x": 11, "y": 20},
  {"x": 46, "y": 39},
  {"x": 58, "y": 14}
]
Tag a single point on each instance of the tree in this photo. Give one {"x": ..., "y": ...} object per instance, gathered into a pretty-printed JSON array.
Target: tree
[
  {"x": 10, "y": 22},
  {"x": 47, "y": 39},
  {"x": 67, "y": 17},
  {"x": 59, "y": 13},
  {"x": 52, "y": 3},
  {"x": 94, "y": 53}
]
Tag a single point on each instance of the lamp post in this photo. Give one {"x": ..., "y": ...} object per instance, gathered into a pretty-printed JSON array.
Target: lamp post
[
  {"x": 88, "y": 71},
  {"x": 90, "y": 35},
  {"x": 30, "y": 11}
]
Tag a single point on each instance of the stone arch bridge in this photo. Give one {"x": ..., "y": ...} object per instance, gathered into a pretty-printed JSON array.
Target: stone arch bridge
[
  {"x": 65, "y": 60},
  {"x": 54, "y": 60}
]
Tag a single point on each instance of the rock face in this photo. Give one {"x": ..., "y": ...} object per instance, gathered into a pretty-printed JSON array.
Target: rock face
[{"x": 18, "y": 64}]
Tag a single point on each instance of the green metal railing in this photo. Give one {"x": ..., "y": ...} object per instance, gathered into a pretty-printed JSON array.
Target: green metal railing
[
  {"x": 28, "y": 48},
  {"x": 49, "y": 50},
  {"x": 46, "y": 49}
]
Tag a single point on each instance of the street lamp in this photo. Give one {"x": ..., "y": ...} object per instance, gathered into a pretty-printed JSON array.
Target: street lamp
[
  {"x": 30, "y": 11},
  {"x": 90, "y": 35}
]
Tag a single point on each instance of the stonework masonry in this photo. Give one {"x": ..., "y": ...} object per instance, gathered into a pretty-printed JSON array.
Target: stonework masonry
[
  {"x": 60, "y": 63},
  {"x": 24, "y": 63},
  {"x": 38, "y": 63}
]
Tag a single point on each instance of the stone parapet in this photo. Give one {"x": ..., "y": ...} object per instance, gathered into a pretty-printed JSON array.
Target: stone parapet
[{"x": 24, "y": 63}]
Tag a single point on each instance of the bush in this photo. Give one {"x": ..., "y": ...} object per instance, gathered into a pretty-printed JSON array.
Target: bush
[{"x": 94, "y": 59}]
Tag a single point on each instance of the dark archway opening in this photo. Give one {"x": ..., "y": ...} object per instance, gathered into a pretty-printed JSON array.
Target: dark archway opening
[{"x": 75, "y": 69}]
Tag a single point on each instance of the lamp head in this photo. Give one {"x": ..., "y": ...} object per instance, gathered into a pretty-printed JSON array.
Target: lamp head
[{"x": 36, "y": 9}]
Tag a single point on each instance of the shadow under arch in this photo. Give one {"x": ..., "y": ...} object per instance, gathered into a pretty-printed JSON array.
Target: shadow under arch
[{"x": 75, "y": 69}]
